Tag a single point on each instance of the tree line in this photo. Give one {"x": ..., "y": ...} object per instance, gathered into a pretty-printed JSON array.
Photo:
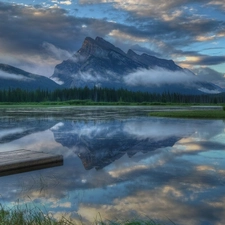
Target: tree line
[{"x": 96, "y": 94}]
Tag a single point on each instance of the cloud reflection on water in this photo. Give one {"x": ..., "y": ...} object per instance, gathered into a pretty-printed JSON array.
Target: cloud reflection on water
[{"x": 161, "y": 168}]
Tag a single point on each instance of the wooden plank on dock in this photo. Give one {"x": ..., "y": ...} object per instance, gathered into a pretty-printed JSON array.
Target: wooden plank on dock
[{"x": 23, "y": 160}]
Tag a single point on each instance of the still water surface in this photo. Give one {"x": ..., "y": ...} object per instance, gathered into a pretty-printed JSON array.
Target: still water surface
[{"x": 120, "y": 164}]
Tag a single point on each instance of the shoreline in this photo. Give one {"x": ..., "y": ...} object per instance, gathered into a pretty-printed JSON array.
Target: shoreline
[{"x": 67, "y": 110}]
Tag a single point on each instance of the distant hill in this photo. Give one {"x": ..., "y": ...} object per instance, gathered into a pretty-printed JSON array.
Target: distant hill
[
  {"x": 99, "y": 63},
  {"x": 12, "y": 77}
]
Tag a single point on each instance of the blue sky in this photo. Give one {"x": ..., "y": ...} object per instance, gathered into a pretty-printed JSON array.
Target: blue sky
[{"x": 37, "y": 35}]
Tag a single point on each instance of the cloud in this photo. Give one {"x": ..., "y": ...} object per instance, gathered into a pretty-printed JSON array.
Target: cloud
[
  {"x": 125, "y": 35},
  {"x": 204, "y": 60},
  {"x": 175, "y": 190},
  {"x": 57, "y": 53},
  {"x": 166, "y": 27},
  {"x": 62, "y": 205},
  {"x": 45, "y": 35},
  {"x": 218, "y": 3},
  {"x": 57, "y": 126},
  {"x": 210, "y": 75},
  {"x": 58, "y": 37},
  {"x": 9, "y": 76},
  {"x": 69, "y": 2},
  {"x": 152, "y": 129},
  {"x": 144, "y": 7},
  {"x": 13, "y": 131},
  {"x": 158, "y": 76},
  {"x": 57, "y": 80},
  {"x": 89, "y": 77}
]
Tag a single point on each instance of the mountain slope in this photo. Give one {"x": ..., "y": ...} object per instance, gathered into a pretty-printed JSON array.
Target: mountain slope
[
  {"x": 99, "y": 63},
  {"x": 12, "y": 77}
]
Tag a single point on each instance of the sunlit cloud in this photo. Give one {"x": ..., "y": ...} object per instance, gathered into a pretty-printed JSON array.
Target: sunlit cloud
[
  {"x": 189, "y": 147},
  {"x": 203, "y": 60},
  {"x": 122, "y": 35},
  {"x": 205, "y": 38},
  {"x": 147, "y": 203},
  {"x": 171, "y": 190},
  {"x": 122, "y": 172},
  {"x": 55, "y": 6},
  {"x": 218, "y": 3},
  {"x": 62, "y": 205},
  {"x": 173, "y": 16},
  {"x": 65, "y": 2},
  {"x": 205, "y": 168},
  {"x": 144, "y": 7}
]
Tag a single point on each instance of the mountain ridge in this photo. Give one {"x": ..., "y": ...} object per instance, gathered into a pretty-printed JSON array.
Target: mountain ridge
[
  {"x": 13, "y": 77},
  {"x": 100, "y": 63}
]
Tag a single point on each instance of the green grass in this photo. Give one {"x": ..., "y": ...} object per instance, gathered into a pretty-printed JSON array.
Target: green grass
[
  {"x": 205, "y": 114},
  {"x": 27, "y": 216},
  {"x": 78, "y": 103},
  {"x": 89, "y": 103},
  {"x": 34, "y": 216}
]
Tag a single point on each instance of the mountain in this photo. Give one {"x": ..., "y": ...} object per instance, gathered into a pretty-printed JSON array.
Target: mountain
[
  {"x": 99, "y": 63},
  {"x": 12, "y": 77}
]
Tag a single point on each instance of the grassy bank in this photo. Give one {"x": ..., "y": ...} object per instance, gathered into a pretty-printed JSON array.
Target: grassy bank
[
  {"x": 205, "y": 114},
  {"x": 81, "y": 103},
  {"x": 27, "y": 216},
  {"x": 92, "y": 103}
]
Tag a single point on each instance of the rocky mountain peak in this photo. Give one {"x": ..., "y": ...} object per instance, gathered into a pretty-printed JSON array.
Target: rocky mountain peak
[
  {"x": 134, "y": 56},
  {"x": 107, "y": 45},
  {"x": 100, "y": 63},
  {"x": 98, "y": 47},
  {"x": 88, "y": 47},
  {"x": 103, "y": 43}
]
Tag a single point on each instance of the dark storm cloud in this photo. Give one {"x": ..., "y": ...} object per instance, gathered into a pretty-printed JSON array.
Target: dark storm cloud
[
  {"x": 167, "y": 25},
  {"x": 178, "y": 31},
  {"x": 207, "y": 60},
  {"x": 26, "y": 28},
  {"x": 35, "y": 35},
  {"x": 211, "y": 60},
  {"x": 36, "y": 38}
]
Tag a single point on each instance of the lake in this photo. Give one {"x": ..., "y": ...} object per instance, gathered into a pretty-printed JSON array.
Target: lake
[{"x": 119, "y": 163}]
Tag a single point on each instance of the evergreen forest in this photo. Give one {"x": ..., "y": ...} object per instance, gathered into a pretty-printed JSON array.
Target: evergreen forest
[{"x": 107, "y": 95}]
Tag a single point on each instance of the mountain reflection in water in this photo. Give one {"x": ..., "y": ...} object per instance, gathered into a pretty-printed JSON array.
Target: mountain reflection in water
[
  {"x": 121, "y": 168},
  {"x": 99, "y": 144}
]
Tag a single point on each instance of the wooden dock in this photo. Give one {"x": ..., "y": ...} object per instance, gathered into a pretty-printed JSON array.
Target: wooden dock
[{"x": 22, "y": 160}]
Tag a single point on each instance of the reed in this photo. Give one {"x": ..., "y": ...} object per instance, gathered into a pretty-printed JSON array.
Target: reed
[
  {"x": 198, "y": 114},
  {"x": 34, "y": 216}
]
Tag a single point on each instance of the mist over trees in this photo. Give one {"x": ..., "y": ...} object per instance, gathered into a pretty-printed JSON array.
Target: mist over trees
[{"x": 98, "y": 95}]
